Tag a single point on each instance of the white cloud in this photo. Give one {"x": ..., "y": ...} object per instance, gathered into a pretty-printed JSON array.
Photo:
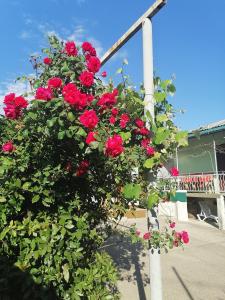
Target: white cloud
[{"x": 24, "y": 35}]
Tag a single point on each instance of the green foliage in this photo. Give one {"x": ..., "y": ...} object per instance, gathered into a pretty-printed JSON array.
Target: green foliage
[{"x": 52, "y": 221}]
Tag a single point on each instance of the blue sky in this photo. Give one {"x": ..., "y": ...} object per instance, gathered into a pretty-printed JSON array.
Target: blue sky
[{"x": 189, "y": 42}]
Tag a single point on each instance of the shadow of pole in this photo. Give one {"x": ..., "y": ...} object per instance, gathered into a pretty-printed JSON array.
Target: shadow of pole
[{"x": 183, "y": 284}]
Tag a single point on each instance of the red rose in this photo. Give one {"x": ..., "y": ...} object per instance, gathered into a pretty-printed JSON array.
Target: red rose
[
  {"x": 86, "y": 78},
  {"x": 47, "y": 61},
  {"x": 114, "y": 111},
  {"x": 174, "y": 172},
  {"x": 139, "y": 123},
  {"x": 107, "y": 99},
  {"x": 172, "y": 224},
  {"x": 104, "y": 74},
  {"x": 124, "y": 119},
  {"x": 90, "y": 98},
  {"x": 82, "y": 168},
  {"x": 89, "y": 119},
  {"x": 70, "y": 87},
  {"x": 92, "y": 51},
  {"x": 185, "y": 237},
  {"x": 70, "y": 49},
  {"x": 114, "y": 146},
  {"x": 20, "y": 102},
  {"x": 112, "y": 120},
  {"x": 43, "y": 94},
  {"x": 12, "y": 112},
  {"x": 91, "y": 137},
  {"x": 9, "y": 99},
  {"x": 74, "y": 97},
  {"x": 144, "y": 131},
  {"x": 147, "y": 236},
  {"x": 93, "y": 64},
  {"x": 150, "y": 150},
  {"x": 87, "y": 57},
  {"x": 145, "y": 142},
  {"x": 138, "y": 232},
  {"x": 86, "y": 46},
  {"x": 55, "y": 82},
  {"x": 8, "y": 147}
]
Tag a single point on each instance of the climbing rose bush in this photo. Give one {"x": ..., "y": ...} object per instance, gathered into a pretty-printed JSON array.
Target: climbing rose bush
[{"x": 67, "y": 171}]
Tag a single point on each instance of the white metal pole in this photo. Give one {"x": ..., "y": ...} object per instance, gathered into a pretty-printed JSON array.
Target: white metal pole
[{"x": 154, "y": 254}]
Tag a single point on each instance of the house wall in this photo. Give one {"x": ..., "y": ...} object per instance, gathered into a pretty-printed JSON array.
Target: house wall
[{"x": 199, "y": 156}]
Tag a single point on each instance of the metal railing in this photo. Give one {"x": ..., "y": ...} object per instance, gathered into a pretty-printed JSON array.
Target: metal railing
[{"x": 200, "y": 183}]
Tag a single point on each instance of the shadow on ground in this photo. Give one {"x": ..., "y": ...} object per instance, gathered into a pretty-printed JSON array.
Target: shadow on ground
[{"x": 130, "y": 261}]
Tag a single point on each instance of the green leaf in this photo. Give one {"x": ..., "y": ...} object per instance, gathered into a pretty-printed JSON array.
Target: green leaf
[
  {"x": 66, "y": 273},
  {"x": 61, "y": 135},
  {"x": 132, "y": 191},
  {"x": 81, "y": 132},
  {"x": 119, "y": 71},
  {"x": 161, "y": 135},
  {"x": 162, "y": 118},
  {"x": 2, "y": 199},
  {"x": 125, "y": 61},
  {"x": 182, "y": 138},
  {"x": 71, "y": 116},
  {"x": 94, "y": 145},
  {"x": 35, "y": 198},
  {"x": 125, "y": 135},
  {"x": 26, "y": 186},
  {"x": 149, "y": 163},
  {"x": 159, "y": 96},
  {"x": 153, "y": 198}
]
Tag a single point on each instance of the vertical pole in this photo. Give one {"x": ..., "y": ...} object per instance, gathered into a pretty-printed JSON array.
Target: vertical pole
[
  {"x": 154, "y": 254},
  {"x": 215, "y": 157},
  {"x": 220, "y": 198},
  {"x": 177, "y": 161}
]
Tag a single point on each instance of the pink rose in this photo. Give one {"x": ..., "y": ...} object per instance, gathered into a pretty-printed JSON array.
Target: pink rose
[
  {"x": 86, "y": 78},
  {"x": 115, "y": 111},
  {"x": 9, "y": 99},
  {"x": 124, "y": 119},
  {"x": 104, "y": 74},
  {"x": 150, "y": 150},
  {"x": 114, "y": 146},
  {"x": 70, "y": 49},
  {"x": 47, "y": 61},
  {"x": 174, "y": 172},
  {"x": 91, "y": 137},
  {"x": 147, "y": 236},
  {"x": 20, "y": 102},
  {"x": 55, "y": 82},
  {"x": 145, "y": 142},
  {"x": 12, "y": 112},
  {"x": 172, "y": 224},
  {"x": 89, "y": 119},
  {"x": 139, "y": 123},
  {"x": 8, "y": 147},
  {"x": 93, "y": 64},
  {"x": 107, "y": 100},
  {"x": 185, "y": 237},
  {"x": 43, "y": 94},
  {"x": 112, "y": 120}
]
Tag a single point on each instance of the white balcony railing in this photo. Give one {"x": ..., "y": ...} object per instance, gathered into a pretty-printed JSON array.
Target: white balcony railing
[{"x": 202, "y": 183}]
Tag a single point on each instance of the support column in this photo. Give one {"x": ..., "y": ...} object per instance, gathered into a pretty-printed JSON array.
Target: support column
[
  {"x": 154, "y": 254},
  {"x": 221, "y": 211}
]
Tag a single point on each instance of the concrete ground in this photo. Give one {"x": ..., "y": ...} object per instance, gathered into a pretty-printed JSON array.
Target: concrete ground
[{"x": 195, "y": 273}]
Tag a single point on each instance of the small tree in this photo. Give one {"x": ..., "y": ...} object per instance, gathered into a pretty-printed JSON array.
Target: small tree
[{"x": 67, "y": 168}]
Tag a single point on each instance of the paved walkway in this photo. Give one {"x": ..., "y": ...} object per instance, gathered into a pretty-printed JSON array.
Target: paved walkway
[{"x": 195, "y": 273}]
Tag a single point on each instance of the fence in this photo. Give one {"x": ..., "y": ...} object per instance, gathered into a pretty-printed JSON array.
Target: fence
[{"x": 200, "y": 183}]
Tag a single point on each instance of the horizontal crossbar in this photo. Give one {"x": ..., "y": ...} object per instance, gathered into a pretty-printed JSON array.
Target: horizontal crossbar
[{"x": 132, "y": 30}]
